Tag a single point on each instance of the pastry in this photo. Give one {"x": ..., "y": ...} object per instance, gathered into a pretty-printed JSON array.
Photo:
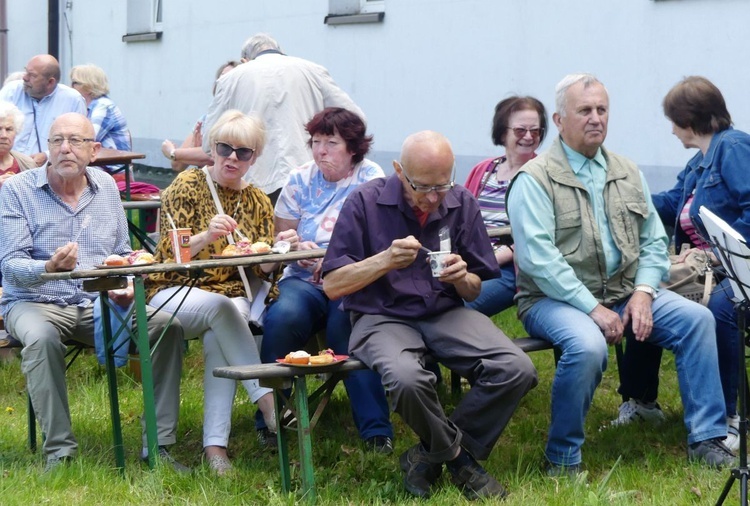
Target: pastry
[
  {"x": 113, "y": 260},
  {"x": 297, "y": 357}
]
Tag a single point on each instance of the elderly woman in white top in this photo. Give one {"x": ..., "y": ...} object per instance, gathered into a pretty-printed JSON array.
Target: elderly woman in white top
[{"x": 11, "y": 162}]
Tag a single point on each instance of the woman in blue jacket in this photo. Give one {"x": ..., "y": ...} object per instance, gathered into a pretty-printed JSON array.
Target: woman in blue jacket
[{"x": 716, "y": 177}]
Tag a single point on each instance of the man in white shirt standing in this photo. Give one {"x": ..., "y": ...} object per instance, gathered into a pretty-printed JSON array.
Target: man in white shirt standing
[
  {"x": 41, "y": 98},
  {"x": 285, "y": 92}
]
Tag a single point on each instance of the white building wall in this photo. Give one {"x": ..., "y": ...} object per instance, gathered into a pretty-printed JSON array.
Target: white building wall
[{"x": 439, "y": 64}]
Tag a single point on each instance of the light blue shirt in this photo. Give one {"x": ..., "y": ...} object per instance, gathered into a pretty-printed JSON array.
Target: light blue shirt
[
  {"x": 534, "y": 235},
  {"x": 35, "y": 222},
  {"x": 40, "y": 114},
  {"x": 593, "y": 174}
]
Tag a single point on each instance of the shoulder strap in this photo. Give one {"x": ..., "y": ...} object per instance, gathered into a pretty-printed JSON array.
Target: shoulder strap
[{"x": 220, "y": 208}]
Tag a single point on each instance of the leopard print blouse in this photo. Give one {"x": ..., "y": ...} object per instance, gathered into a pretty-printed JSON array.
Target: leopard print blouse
[{"x": 188, "y": 200}]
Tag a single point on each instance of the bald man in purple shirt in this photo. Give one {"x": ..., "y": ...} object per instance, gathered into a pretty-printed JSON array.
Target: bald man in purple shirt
[{"x": 400, "y": 313}]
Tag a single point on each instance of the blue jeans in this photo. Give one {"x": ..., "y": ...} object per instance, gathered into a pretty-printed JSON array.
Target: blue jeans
[
  {"x": 497, "y": 294},
  {"x": 684, "y": 327},
  {"x": 640, "y": 366},
  {"x": 302, "y": 310}
]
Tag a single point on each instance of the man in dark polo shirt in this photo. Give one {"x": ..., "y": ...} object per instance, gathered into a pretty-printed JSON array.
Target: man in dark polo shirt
[{"x": 400, "y": 313}]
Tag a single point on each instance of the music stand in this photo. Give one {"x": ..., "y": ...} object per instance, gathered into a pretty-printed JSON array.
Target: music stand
[{"x": 732, "y": 251}]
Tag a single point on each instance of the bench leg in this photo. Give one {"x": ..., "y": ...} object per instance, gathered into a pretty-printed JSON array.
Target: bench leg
[
  {"x": 304, "y": 437},
  {"x": 114, "y": 402},
  {"x": 282, "y": 436},
  {"x": 32, "y": 426},
  {"x": 455, "y": 384}
]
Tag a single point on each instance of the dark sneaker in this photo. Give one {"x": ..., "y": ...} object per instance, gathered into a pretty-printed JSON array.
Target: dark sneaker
[
  {"x": 267, "y": 439},
  {"x": 475, "y": 482},
  {"x": 560, "y": 471},
  {"x": 165, "y": 458},
  {"x": 380, "y": 444},
  {"x": 420, "y": 473},
  {"x": 712, "y": 452}
]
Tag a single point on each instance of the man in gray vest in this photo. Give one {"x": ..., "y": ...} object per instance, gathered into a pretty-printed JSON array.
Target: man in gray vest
[{"x": 591, "y": 252}]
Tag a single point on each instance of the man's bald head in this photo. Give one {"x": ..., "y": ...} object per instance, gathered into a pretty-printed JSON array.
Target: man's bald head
[
  {"x": 427, "y": 148},
  {"x": 426, "y": 163},
  {"x": 42, "y": 75}
]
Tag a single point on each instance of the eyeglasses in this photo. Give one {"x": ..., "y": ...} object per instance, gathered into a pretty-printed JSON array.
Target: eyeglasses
[
  {"x": 76, "y": 142},
  {"x": 520, "y": 132},
  {"x": 420, "y": 188},
  {"x": 243, "y": 154},
  {"x": 75, "y": 83}
]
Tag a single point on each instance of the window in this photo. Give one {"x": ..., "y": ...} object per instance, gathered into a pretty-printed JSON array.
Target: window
[
  {"x": 144, "y": 20},
  {"x": 355, "y": 11}
]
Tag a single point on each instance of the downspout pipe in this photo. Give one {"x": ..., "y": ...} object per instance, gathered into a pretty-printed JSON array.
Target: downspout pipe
[
  {"x": 3, "y": 41},
  {"x": 53, "y": 28}
]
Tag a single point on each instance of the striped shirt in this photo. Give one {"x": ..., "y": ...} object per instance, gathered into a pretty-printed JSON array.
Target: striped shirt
[
  {"x": 110, "y": 127},
  {"x": 35, "y": 222}
]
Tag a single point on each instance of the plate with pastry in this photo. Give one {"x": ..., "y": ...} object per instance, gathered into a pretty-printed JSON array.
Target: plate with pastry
[
  {"x": 244, "y": 248},
  {"x": 303, "y": 359},
  {"x": 138, "y": 257}
]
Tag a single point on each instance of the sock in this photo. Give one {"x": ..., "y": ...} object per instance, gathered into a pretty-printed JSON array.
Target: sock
[{"x": 461, "y": 460}]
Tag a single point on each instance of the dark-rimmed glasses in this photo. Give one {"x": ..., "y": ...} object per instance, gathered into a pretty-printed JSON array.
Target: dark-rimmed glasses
[
  {"x": 420, "y": 188},
  {"x": 520, "y": 132},
  {"x": 225, "y": 150},
  {"x": 76, "y": 142}
]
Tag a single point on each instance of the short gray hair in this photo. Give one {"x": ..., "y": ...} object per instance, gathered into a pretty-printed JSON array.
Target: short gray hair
[
  {"x": 9, "y": 110},
  {"x": 568, "y": 81},
  {"x": 257, "y": 43}
]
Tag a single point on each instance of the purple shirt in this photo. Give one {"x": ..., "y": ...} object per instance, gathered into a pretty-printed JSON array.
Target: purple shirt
[{"x": 376, "y": 214}]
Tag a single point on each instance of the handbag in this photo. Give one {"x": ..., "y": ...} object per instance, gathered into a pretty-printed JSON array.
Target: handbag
[{"x": 693, "y": 278}]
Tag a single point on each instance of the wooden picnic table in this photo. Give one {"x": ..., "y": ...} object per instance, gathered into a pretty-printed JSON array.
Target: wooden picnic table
[{"x": 105, "y": 279}]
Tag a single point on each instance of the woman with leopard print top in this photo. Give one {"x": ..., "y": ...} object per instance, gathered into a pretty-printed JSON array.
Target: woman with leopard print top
[{"x": 217, "y": 308}]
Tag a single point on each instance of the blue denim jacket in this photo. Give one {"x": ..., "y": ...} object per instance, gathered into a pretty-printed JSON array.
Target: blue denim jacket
[{"x": 721, "y": 182}]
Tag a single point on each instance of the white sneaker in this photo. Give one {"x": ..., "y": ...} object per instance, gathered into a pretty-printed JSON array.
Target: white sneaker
[
  {"x": 636, "y": 411},
  {"x": 733, "y": 433}
]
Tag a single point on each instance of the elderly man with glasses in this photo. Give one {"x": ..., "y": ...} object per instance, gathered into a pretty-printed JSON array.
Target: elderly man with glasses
[
  {"x": 44, "y": 215},
  {"x": 376, "y": 262}
]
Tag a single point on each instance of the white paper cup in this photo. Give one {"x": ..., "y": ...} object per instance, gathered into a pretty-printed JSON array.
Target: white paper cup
[{"x": 437, "y": 262}]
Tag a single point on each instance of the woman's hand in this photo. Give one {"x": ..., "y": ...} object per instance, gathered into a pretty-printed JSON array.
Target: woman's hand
[
  {"x": 291, "y": 237},
  {"x": 503, "y": 255},
  {"x": 220, "y": 226},
  {"x": 308, "y": 263},
  {"x": 166, "y": 148},
  {"x": 198, "y": 134}
]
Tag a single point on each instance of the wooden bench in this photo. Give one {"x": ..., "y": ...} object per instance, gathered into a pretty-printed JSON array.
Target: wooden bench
[{"x": 299, "y": 405}]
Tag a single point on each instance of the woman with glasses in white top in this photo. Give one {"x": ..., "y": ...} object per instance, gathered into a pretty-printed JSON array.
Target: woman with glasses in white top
[{"x": 519, "y": 125}]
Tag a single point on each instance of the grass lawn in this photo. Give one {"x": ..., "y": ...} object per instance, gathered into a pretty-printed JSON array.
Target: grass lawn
[{"x": 628, "y": 465}]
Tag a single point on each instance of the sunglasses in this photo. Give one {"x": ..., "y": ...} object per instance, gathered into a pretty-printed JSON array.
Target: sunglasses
[
  {"x": 520, "y": 132},
  {"x": 225, "y": 150}
]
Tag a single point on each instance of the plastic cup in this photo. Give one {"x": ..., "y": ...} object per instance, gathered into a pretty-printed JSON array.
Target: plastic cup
[
  {"x": 437, "y": 262},
  {"x": 180, "y": 244}
]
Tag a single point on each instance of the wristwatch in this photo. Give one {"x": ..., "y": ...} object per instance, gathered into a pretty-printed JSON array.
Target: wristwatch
[
  {"x": 172, "y": 155},
  {"x": 645, "y": 288}
]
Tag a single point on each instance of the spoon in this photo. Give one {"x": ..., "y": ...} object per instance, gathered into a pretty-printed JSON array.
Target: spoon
[{"x": 84, "y": 224}]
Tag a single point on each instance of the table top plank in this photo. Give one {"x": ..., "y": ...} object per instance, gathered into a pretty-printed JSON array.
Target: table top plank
[
  {"x": 276, "y": 370},
  {"x": 108, "y": 156},
  {"x": 240, "y": 261}
]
